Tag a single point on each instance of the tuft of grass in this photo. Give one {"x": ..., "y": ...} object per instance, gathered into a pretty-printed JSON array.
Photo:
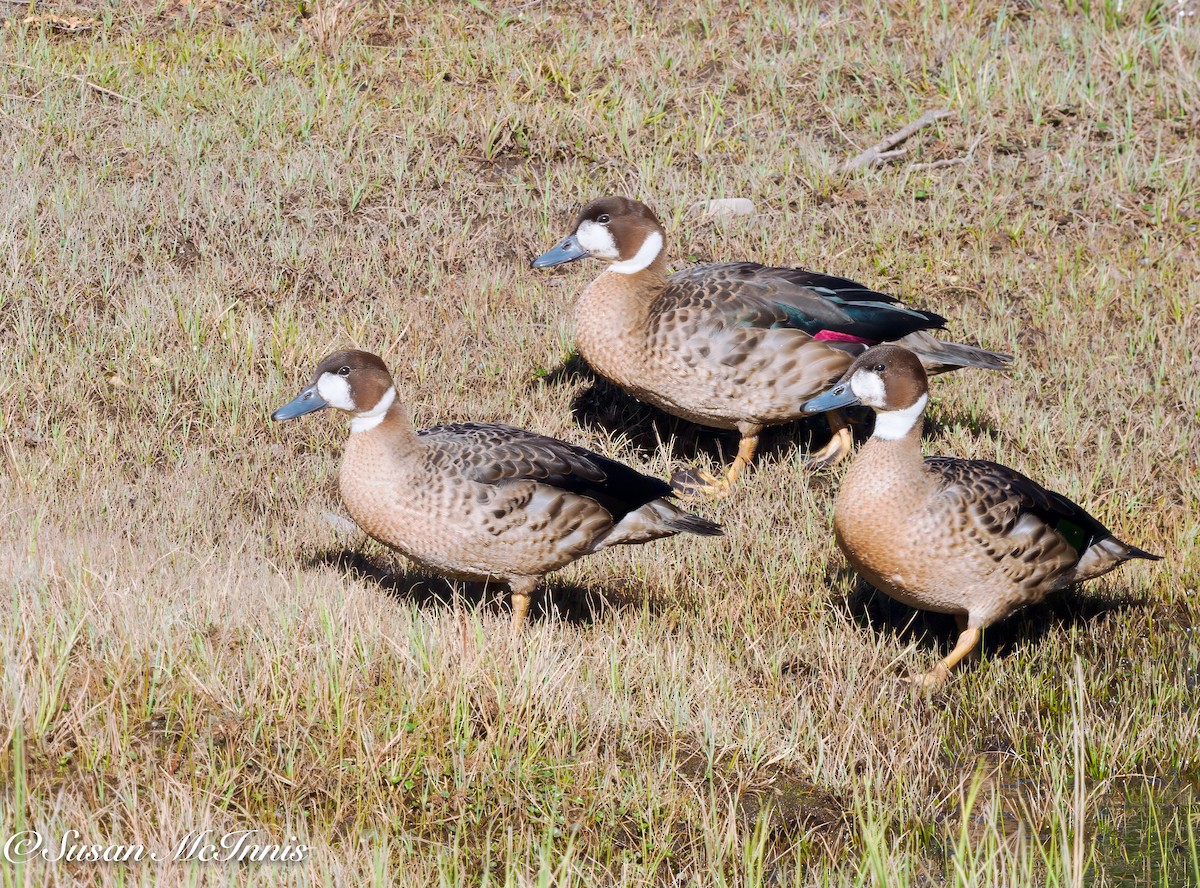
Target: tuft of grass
[{"x": 199, "y": 200}]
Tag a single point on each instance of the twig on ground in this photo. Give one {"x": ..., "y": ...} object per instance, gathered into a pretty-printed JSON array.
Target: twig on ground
[
  {"x": 79, "y": 78},
  {"x": 885, "y": 149},
  {"x": 953, "y": 161},
  {"x": 64, "y": 24},
  {"x": 100, "y": 89}
]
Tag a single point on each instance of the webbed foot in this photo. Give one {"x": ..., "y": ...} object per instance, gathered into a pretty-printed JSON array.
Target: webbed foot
[
  {"x": 968, "y": 639},
  {"x": 835, "y": 451},
  {"x": 699, "y": 484},
  {"x": 930, "y": 681}
]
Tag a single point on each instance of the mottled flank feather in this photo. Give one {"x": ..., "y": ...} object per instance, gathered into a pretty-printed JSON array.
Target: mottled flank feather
[{"x": 1005, "y": 494}]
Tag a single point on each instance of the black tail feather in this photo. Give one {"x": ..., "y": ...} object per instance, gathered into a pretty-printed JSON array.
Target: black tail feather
[
  {"x": 685, "y": 522},
  {"x": 1135, "y": 552}
]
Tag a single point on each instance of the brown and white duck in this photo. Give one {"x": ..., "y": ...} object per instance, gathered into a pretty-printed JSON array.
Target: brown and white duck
[
  {"x": 480, "y": 501},
  {"x": 733, "y": 345},
  {"x": 965, "y": 537}
]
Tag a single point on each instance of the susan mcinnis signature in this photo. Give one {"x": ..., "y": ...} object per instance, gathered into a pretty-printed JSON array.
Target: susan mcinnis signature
[{"x": 203, "y": 846}]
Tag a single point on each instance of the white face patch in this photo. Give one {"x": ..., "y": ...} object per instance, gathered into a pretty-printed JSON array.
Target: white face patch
[
  {"x": 336, "y": 391},
  {"x": 597, "y": 240},
  {"x": 868, "y": 388},
  {"x": 646, "y": 254},
  {"x": 892, "y": 425},
  {"x": 368, "y": 419}
]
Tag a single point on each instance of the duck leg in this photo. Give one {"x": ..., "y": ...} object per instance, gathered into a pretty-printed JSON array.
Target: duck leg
[
  {"x": 700, "y": 484},
  {"x": 968, "y": 640},
  {"x": 522, "y": 595},
  {"x": 839, "y": 445}
]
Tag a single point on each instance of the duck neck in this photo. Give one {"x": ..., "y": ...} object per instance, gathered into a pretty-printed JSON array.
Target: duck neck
[
  {"x": 610, "y": 317},
  {"x": 379, "y": 464},
  {"x": 898, "y": 432},
  {"x": 387, "y": 424},
  {"x": 641, "y": 285}
]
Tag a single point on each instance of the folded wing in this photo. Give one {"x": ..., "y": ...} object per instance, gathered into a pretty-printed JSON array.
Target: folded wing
[
  {"x": 747, "y": 294},
  {"x": 492, "y": 453}
]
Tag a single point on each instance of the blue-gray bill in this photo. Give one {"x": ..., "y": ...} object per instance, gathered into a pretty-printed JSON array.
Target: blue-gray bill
[
  {"x": 307, "y": 401},
  {"x": 568, "y": 251},
  {"x": 841, "y": 395}
]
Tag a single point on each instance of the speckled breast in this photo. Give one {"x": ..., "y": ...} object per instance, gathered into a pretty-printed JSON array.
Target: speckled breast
[
  {"x": 612, "y": 334},
  {"x": 896, "y": 543},
  {"x": 404, "y": 513}
]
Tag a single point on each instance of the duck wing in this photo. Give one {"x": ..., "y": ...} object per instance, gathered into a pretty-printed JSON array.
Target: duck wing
[
  {"x": 1004, "y": 503},
  {"x": 495, "y": 454},
  {"x": 747, "y": 294}
]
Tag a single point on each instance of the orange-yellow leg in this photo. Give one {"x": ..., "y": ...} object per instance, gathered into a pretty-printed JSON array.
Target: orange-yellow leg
[
  {"x": 703, "y": 485},
  {"x": 968, "y": 640},
  {"x": 522, "y": 597},
  {"x": 839, "y": 445}
]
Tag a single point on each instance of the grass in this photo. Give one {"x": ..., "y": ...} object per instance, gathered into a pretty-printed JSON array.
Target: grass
[{"x": 189, "y": 645}]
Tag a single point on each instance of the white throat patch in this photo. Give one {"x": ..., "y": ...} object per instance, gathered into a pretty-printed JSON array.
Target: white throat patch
[
  {"x": 368, "y": 419},
  {"x": 891, "y": 425},
  {"x": 597, "y": 240},
  {"x": 335, "y": 390},
  {"x": 646, "y": 254}
]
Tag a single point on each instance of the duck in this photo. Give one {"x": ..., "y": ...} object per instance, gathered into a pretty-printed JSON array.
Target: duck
[
  {"x": 734, "y": 345},
  {"x": 480, "y": 501},
  {"x": 966, "y": 537}
]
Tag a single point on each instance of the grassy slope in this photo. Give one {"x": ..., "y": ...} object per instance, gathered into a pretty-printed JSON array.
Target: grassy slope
[{"x": 188, "y": 645}]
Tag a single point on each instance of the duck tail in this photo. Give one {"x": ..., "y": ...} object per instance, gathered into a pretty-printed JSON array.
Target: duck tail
[
  {"x": 939, "y": 356},
  {"x": 686, "y": 522},
  {"x": 1132, "y": 552},
  {"x": 657, "y": 519},
  {"x": 1105, "y": 555}
]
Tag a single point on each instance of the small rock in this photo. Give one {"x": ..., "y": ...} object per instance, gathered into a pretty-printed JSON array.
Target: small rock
[
  {"x": 724, "y": 208},
  {"x": 340, "y": 524}
]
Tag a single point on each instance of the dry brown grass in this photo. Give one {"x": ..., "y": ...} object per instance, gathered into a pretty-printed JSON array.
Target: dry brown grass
[{"x": 188, "y": 645}]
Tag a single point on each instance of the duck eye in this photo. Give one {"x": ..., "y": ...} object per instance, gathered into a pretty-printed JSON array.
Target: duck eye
[
  {"x": 879, "y": 368},
  {"x": 604, "y": 218},
  {"x": 343, "y": 371}
]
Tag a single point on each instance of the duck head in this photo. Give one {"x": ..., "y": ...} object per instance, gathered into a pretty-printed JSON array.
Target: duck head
[
  {"x": 356, "y": 382},
  {"x": 887, "y": 378},
  {"x": 617, "y": 230}
]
